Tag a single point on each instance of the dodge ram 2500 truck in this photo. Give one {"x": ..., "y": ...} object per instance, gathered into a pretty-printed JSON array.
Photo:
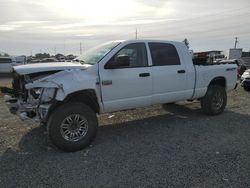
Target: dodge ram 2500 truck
[{"x": 111, "y": 77}]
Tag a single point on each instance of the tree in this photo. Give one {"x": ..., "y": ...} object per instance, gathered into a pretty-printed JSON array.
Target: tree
[
  {"x": 58, "y": 56},
  {"x": 185, "y": 41},
  {"x": 42, "y": 55},
  {"x": 4, "y": 55}
]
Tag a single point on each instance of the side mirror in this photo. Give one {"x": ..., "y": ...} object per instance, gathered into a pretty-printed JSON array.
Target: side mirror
[{"x": 119, "y": 62}]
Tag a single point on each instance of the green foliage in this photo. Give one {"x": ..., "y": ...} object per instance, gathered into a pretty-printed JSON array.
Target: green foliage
[
  {"x": 4, "y": 55},
  {"x": 42, "y": 55}
]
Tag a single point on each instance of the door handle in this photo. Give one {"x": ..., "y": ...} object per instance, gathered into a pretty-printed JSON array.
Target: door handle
[
  {"x": 146, "y": 74},
  {"x": 181, "y": 71},
  {"x": 106, "y": 82}
]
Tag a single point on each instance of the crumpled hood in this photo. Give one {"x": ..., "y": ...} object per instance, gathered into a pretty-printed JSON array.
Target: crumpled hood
[{"x": 43, "y": 67}]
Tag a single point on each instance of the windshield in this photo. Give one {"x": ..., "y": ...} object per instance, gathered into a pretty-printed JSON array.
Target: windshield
[{"x": 94, "y": 55}]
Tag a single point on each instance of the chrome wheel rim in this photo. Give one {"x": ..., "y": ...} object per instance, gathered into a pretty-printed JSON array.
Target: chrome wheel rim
[
  {"x": 217, "y": 101},
  {"x": 74, "y": 127}
]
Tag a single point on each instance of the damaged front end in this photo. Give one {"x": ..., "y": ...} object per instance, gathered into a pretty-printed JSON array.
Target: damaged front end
[{"x": 26, "y": 99}]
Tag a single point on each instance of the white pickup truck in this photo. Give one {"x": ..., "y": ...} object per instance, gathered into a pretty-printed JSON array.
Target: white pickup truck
[{"x": 111, "y": 77}]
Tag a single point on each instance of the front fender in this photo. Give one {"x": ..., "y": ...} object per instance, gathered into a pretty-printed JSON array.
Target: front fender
[{"x": 66, "y": 82}]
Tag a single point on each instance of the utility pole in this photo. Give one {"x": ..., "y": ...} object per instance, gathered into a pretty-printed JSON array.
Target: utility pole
[
  {"x": 236, "y": 41},
  {"x": 64, "y": 47},
  {"x": 80, "y": 48},
  {"x": 136, "y": 33},
  {"x": 55, "y": 50}
]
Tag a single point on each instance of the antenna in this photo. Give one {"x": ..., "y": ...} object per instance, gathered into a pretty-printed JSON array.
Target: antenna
[{"x": 136, "y": 33}]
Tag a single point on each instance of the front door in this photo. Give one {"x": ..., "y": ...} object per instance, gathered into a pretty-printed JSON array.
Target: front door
[{"x": 127, "y": 86}]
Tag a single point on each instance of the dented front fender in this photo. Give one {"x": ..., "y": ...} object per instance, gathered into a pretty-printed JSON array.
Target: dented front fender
[{"x": 66, "y": 82}]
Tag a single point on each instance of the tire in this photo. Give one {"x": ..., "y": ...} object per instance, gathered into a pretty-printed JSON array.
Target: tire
[
  {"x": 215, "y": 100},
  {"x": 246, "y": 88},
  {"x": 72, "y": 126}
]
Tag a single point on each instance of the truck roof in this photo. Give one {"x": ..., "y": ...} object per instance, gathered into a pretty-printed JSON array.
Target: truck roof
[{"x": 148, "y": 40}]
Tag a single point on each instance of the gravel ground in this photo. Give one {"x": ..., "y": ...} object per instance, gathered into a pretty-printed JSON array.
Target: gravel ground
[{"x": 175, "y": 146}]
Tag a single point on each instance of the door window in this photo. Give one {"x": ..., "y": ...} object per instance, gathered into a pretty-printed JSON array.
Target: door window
[
  {"x": 137, "y": 55},
  {"x": 163, "y": 54}
]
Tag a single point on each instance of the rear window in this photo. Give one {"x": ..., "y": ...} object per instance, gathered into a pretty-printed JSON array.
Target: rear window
[
  {"x": 163, "y": 54},
  {"x": 5, "y": 60}
]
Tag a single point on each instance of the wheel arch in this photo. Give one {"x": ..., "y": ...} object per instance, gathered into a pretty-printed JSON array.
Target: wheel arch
[
  {"x": 86, "y": 96},
  {"x": 220, "y": 80}
]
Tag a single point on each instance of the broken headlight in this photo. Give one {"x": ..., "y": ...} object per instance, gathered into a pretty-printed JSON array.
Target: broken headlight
[
  {"x": 44, "y": 94},
  {"x": 47, "y": 94}
]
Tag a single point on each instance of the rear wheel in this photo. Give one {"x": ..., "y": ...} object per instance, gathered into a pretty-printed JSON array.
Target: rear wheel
[
  {"x": 72, "y": 126},
  {"x": 215, "y": 100}
]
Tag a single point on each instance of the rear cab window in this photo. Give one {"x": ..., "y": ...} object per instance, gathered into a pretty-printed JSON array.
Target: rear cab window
[{"x": 163, "y": 54}]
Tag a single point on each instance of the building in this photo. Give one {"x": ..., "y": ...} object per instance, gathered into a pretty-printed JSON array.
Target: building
[{"x": 235, "y": 53}]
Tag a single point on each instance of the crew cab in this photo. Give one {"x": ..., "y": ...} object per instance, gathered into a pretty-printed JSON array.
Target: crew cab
[{"x": 114, "y": 76}]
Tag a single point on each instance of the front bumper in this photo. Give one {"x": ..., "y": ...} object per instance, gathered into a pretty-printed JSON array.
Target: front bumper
[{"x": 31, "y": 113}]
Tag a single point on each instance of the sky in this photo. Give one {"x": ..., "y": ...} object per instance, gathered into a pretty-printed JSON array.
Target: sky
[{"x": 59, "y": 26}]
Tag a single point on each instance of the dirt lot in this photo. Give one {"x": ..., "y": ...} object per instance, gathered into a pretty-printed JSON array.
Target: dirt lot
[{"x": 149, "y": 147}]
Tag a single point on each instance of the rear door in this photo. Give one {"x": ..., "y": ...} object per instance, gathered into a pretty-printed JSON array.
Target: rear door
[
  {"x": 169, "y": 74},
  {"x": 130, "y": 86}
]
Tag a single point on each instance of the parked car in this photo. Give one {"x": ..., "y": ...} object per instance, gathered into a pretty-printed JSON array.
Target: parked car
[
  {"x": 241, "y": 66},
  {"x": 6, "y": 64},
  {"x": 218, "y": 57},
  {"x": 112, "y": 77},
  {"x": 245, "y": 80},
  {"x": 48, "y": 60}
]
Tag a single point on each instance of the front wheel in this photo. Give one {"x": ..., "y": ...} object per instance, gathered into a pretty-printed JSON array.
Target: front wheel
[
  {"x": 215, "y": 100},
  {"x": 72, "y": 126}
]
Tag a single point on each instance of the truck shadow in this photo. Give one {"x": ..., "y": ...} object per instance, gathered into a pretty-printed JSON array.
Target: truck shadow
[
  {"x": 35, "y": 141},
  {"x": 175, "y": 138}
]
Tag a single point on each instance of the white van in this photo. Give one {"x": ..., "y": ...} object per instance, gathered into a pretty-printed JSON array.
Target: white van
[{"x": 6, "y": 64}]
